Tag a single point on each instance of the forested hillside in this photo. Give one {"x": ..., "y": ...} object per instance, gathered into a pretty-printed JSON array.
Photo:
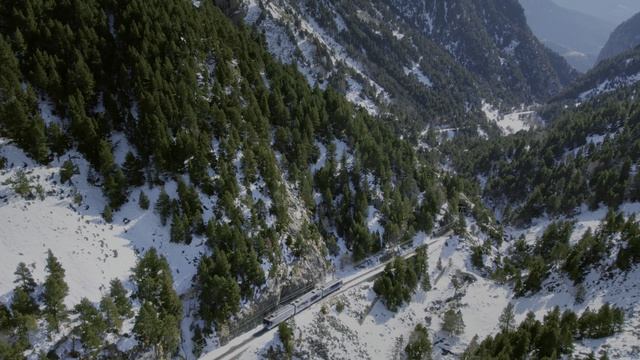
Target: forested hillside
[
  {"x": 585, "y": 160},
  {"x": 620, "y": 71},
  {"x": 491, "y": 39},
  {"x": 586, "y": 156},
  {"x": 430, "y": 63},
  {"x": 624, "y": 37},
  {"x": 294, "y": 171},
  {"x": 173, "y": 171}
]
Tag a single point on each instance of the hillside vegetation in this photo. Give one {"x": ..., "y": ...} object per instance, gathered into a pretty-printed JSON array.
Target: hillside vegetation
[{"x": 203, "y": 104}]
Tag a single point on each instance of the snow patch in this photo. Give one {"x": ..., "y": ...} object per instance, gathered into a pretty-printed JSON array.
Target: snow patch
[
  {"x": 512, "y": 122},
  {"x": 46, "y": 107},
  {"x": 609, "y": 85},
  {"x": 418, "y": 74},
  {"x": 373, "y": 221},
  {"x": 69, "y": 222},
  {"x": 397, "y": 34},
  {"x": 511, "y": 48}
]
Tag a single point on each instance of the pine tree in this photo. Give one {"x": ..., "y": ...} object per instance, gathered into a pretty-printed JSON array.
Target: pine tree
[
  {"x": 198, "y": 341},
  {"x": 477, "y": 256},
  {"x": 112, "y": 318},
  {"x": 157, "y": 323},
  {"x": 537, "y": 273},
  {"x": 419, "y": 346},
  {"x": 67, "y": 171},
  {"x": 24, "y": 279},
  {"x": 55, "y": 290},
  {"x": 81, "y": 77},
  {"x": 220, "y": 293},
  {"x": 133, "y": 170},
  {"x": 169, "y": 333},
  {"x": 157, "y": 331},
  {"x": 91, "y": 325},
  {"x": 471, "y": 349},
  {"x": 19, "y": 117},
  {"x": 105, "y": 161},
  {"x": 147, "y": 326},
  {"x": 115, "y": 187},
  {"x": 421, "y": 264},
  {"x": 285, "y": 332},
  {"x": 507, "y": 319},
  {"x": 19, "y": 42},
  {"x": 21, "y": 185},
  {"x": 518, "y": 287},
  {"x": 163, "y": 206},
  {"x": 107, "y": 213},
  {"x": 23, "y": 303},
  {"x": 5, "y": 318},
  {"x": 119, "y": 295},
  {"x": 452, "y": 322},
  {"x": 57, "y": 139},
  {"x": 179, "y": 234},
  {"x": 152, "y": 276},
  {"x": 143, "y": 201}
]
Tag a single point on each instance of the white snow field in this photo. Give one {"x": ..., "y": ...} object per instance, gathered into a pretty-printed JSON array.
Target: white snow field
[
  {"x": 609, "y": 85},
  {"x": 91, "y": 251},
  {"x": 365, "y": 329},
  {"x": 94, "y": 252},
  {"x": 512, "y": 122}
]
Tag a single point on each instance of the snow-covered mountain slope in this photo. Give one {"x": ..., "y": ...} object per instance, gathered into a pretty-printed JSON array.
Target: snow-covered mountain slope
[
  {"x": 68, "y": 220},
  {"x": 492, "y": 40},
  {"x": 294, "y": 38},
  {"x": 376, "y": 61},
  {"x": 268, "y": 183},
  {"x": 356, "y": 324},
  {"x": 619, "y": 72},
  {"x": 424, "y": 61}
]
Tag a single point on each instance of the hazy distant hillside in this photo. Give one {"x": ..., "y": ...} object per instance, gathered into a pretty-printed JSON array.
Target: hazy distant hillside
[
  {"x": 625, "y": 37},
  {"x": 614, "y": 11},
  {"x": 576, "y": 36}
]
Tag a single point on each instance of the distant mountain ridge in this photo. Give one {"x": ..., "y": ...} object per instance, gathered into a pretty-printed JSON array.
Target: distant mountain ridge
[
  {"x": 624, "y": 37},
  {"x": 613, "y": 11},
  {"x": 578, "y": 37}
]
